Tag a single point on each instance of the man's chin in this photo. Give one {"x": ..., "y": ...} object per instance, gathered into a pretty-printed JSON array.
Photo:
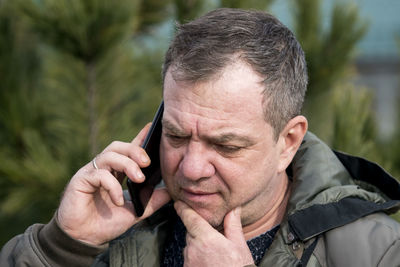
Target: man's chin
[
  {"x": 213, "y": 214},
  {"x": 215, "y": 219}
]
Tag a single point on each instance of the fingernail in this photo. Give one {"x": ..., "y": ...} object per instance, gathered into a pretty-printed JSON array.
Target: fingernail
[
  {"x": 140, "y": 175},
  {"x": 144, "y": 158},
  {"x": 236, "y": 211},
  {"x": 121, "y": 201}
]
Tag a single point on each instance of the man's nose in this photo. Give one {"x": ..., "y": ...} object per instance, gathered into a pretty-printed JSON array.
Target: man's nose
[{"x": 195, "y": 163}]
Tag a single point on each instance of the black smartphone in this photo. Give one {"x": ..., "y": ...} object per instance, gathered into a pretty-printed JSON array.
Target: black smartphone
[{"x": 141, "y": 192}]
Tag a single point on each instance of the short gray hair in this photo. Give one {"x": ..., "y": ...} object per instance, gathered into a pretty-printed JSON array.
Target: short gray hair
[{"x": 203, "y": 47}]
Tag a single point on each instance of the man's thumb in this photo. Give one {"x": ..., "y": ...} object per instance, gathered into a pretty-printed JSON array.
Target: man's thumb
[{"x": 233, "y": 226}]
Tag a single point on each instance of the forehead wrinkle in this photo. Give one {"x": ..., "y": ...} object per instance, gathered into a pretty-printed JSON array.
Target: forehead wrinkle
[
  {"x": 171, "y": 127},
  {"x": 198, "y": 110},
  {"x": 220, "y": 138},
  {"x": 204, "y": 102}
]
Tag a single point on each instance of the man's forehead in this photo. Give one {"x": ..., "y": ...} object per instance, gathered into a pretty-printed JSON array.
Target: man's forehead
[
  {"x": 234, "y": 76},
  {"x": 233, "y": 100},
  {"x": 236, "y": 86}
]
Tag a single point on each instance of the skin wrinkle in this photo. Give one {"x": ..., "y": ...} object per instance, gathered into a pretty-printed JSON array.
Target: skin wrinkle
[
  {"x": 224, "y": 138},
  {"x": 219, "y": 117},
  {"x": 213, "y": 117},
  {"x": 280, "y": 204},
  {"x": 196, "y": 85}
]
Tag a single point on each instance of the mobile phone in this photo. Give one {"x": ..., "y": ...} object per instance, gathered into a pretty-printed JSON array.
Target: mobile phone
[{"x": 141, "y": 192}]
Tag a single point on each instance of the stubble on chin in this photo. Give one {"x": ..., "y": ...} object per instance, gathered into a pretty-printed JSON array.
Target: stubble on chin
[{"x": 213, "y": 215}]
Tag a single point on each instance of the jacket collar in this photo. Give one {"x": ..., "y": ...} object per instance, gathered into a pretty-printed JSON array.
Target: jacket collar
[{"x": 331, "y": 189}]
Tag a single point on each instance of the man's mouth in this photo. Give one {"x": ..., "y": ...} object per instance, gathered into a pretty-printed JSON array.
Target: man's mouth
[{"x": 198, "y": 195}]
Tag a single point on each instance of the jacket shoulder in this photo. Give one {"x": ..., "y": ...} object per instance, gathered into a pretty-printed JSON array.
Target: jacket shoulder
[{"x": 373, "y": 240}]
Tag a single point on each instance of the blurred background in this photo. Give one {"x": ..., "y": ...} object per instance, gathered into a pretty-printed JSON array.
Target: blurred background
[{"x": 78, "y": 74}]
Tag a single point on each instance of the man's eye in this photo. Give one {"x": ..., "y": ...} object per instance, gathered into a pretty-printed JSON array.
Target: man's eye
[
  {"x": 228, "y": 149},
  {"x": 175, "y": 139}
]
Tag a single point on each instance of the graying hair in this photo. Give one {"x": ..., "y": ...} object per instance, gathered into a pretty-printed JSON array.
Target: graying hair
[{"x": 203, "y": 47}]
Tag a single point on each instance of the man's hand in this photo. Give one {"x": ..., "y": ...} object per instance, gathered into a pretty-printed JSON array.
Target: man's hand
[
  {"x": 205, "y": 246},
  {"x": 93, "y": 209}
]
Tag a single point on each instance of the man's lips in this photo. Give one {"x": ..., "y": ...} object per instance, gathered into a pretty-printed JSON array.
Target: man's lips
[
  {"x": 198, "y": 195},
  {"x": 197, "y": 191}
]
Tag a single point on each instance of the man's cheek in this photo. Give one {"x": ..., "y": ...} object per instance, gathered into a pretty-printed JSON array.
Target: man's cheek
[{"x": 171, "y": 187}]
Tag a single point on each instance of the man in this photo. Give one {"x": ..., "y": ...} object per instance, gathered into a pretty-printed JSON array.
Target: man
[{"x": 248, "y": 185}]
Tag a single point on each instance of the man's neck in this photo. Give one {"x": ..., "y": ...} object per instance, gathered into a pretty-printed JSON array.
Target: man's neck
[{"x": 274, "y": 215}]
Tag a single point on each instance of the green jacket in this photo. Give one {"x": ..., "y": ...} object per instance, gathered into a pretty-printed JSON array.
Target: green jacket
[{"x": 336, "y": 216}]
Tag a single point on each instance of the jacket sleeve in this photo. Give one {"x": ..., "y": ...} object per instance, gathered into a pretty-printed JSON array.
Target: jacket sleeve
[
  {"x": 392, "y": 255},
  {"x": 47, "y": 245}
]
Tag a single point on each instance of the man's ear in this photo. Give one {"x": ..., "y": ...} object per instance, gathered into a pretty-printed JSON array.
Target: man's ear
[{"x": 290, "y": 140}]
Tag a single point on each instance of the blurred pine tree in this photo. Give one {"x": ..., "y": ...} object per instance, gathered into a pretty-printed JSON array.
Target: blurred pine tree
[
  {"x": 186, "y": 10},
  {"x": 394, "y": 143},
  {"x": 391, "y": 147},
  {"x": 76, "y": 77},
  {"x": 354, "y": 127},
  {"x": 247, "y": 4},
  {"x": 86, "y": 31},
  {"x": 21, "y": 121},
  {"x": 393, "y": 157},
  {"x": 329, "y": 52}
]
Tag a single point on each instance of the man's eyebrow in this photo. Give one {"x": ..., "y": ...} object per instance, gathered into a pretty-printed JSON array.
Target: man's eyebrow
[
  {"x": 228, "y": 137},
  {"x": 171, "y": 128},
  {"x": 219, "y": 139}
]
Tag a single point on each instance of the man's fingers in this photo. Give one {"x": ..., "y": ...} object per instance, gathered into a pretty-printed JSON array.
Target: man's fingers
[
  {"x": 113, "y": 161},
  {"x": 194, "y": 223},
  {"x": 124, "y": 158},
  {"x": 233, "y": 226},
  {"x": 139, "y": 139},
  {"x": 234, "y": 232},
  {"x": 102, "y": 179},
  {"x": 159, "y": 198},
  {"x": 135, "y": 152}
]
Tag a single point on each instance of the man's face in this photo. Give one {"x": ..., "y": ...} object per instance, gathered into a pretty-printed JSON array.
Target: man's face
[{"x": 217, "y": 151}]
